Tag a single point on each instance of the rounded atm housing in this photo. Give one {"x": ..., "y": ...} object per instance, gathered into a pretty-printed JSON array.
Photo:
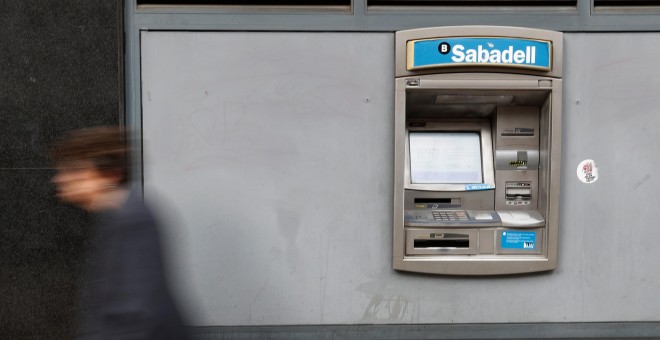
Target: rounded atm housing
[{"x": 477, "y": 150}]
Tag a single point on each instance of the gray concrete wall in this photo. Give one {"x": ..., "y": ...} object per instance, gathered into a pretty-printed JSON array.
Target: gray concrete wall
[{"x": 276, "y": 149}]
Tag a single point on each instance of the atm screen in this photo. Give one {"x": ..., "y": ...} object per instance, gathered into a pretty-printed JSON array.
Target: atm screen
[{"x": 441, "y": 157}]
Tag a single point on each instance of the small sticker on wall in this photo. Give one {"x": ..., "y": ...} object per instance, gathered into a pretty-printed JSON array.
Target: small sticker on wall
[{"x": 587, "y": 171}]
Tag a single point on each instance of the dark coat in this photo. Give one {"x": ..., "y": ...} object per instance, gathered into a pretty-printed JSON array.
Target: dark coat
[{"x": 128, "y": 294}]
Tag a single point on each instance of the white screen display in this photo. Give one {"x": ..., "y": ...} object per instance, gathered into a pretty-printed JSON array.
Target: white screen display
[{"x": 445, "y": 157}]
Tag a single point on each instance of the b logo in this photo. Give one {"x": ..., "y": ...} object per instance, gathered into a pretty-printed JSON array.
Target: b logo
[{"x": 444, "y": 48}]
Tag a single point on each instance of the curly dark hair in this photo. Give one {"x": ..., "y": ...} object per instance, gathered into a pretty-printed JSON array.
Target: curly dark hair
[{"x": 105, "y": 147}]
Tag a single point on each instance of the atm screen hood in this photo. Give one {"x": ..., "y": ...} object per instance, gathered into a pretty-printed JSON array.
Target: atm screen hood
[{"x": 459, "y": 103}]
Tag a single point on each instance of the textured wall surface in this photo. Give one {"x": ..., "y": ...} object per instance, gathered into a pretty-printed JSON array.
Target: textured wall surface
[
  {"x": 59, "y": 70},
  {"x": 277, "y": 149}
]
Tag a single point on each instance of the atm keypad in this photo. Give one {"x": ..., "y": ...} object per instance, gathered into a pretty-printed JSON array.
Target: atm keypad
[{"x": 449, "y": 215}]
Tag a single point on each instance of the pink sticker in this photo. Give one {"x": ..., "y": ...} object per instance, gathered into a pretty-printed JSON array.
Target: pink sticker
[{"x": 587, "y": 171}]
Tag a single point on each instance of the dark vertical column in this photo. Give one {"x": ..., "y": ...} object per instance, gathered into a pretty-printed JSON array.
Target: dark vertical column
[{"x": 60, "y": 69}]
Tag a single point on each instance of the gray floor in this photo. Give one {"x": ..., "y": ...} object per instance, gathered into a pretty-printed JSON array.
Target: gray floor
[{"x": 628, "y": 330}]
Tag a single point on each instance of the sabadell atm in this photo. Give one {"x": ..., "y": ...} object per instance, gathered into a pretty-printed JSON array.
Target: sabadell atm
[{"x": 477, "y": 150}]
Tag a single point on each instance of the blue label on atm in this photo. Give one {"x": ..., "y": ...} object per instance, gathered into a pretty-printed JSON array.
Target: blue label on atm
[
  {"x": 525, "y": 240},
  {"x": 477, "y": 51},
  {"x": 470, "y": 187}
]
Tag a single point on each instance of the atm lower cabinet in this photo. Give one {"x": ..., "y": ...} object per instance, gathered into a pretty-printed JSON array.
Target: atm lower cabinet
[{"x": 468, "y": 244}]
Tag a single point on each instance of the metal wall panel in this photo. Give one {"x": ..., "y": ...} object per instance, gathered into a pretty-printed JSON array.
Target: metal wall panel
[{"x": 277, "y": 150}]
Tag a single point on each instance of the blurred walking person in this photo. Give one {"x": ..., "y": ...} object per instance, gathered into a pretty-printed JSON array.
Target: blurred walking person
[{"x": 128, "y": 294}]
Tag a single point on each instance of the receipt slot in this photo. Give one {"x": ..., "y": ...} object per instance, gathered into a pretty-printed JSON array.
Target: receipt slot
[{"x": 477, "y": 150}]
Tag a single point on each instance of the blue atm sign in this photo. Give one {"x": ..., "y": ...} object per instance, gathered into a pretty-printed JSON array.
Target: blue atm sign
[
  {"x": 524, "y": 240},
  {"x": 479, "y": 51}
]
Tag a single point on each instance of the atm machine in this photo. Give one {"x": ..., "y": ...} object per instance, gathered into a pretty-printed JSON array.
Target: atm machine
[{"x": 477, "y": 150}]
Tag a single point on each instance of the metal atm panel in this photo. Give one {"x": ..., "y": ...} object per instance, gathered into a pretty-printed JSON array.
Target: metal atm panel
[{"x": 455, "y": 214}]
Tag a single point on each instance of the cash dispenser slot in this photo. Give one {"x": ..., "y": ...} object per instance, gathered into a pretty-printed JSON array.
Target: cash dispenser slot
[
  {"x": 452, "y": 241},
  {"x": 441, "y": 241}
]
